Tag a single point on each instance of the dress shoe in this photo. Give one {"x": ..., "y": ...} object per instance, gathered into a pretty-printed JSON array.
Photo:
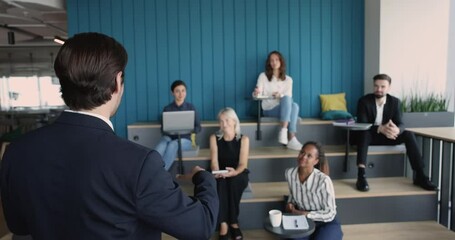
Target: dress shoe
[
  {"x": 362, "y": 184},
  {"x": 425, "y": 183}
]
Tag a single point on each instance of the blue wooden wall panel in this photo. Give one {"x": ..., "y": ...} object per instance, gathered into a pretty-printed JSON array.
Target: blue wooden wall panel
[
  {"x": 347, "y": 44},
  {"x": 326, "y": 36},
  {"x": 105, "y": 17},
  {"x": 251, "y": 71},
  {"x": 293, "y": 58},
  {"x": 207, "y": 64},
  {"x": 262, "y": 29},
  {"x": 83, "y": 16},
  {"x": 228, "y": 54},
  {"x": 162, "y": 54},
  {"x": 316, "y": 62},
  {"x": 184, "y": 61},
  {"x": 94, "y": 15},
  {"x": 219, "y": 47},
  {"x": 336, "y": 47},
  {"x": 357, "y": 56},
  {"x": 139, "y": 55},
  {"x": 173, "y": 64},
  {"x": 305, "y": 56},
  {"x": 218, "y": 56},
  {"x": 239, "y": 70},
  {"x": 151, "y": 60},
  {"x": 283, "y": 27},
  {"x": 195, "y": 62}
]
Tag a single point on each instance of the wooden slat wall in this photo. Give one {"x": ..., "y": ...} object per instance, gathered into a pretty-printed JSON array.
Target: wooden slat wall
[{"x": 218, "y": 47}]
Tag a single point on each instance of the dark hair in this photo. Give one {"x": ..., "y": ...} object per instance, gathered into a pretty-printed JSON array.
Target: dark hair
[
  {"x": 321, "y": 154},
  {"x": 269, "y": 70},
  {"x": 382, "y": 77},
  {"x": 87, "y": 66},
  {"x": 177, "y": 83}
]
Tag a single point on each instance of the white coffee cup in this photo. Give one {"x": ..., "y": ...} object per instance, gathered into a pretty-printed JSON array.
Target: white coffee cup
[{"x": 275, "y": 217}]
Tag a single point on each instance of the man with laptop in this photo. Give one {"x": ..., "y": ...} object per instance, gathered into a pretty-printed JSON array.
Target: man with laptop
[{"x": 179, "y": 118}]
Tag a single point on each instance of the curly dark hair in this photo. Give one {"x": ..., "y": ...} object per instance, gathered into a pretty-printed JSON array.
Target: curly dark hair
[
  {"x": 87, "y": 66},
  {"x": 321, "y": 154}
]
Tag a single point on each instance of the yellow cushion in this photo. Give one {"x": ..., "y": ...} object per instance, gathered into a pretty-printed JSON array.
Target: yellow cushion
[
  {"x": 193, "y": 139},
  {"x": 331, "y": 102}
]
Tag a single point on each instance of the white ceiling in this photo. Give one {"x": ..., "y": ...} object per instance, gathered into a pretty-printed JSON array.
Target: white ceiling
[{"x": 35, "y": 23}]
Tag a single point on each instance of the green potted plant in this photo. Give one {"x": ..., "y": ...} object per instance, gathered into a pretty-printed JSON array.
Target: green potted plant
[{"x": 429, "y": 110}]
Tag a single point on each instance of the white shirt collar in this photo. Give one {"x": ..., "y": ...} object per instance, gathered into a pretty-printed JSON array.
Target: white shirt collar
[
  {"x": 94, "y": 115},
  {"x": 379, "y": 112}
]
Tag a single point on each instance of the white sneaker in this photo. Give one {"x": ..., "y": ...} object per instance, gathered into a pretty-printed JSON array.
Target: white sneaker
[
  {"x": 283, "y": 136},
  {"x": 294, "y": 144}
]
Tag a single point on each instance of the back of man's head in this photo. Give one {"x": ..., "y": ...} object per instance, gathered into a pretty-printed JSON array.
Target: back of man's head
[
  {"x": 383, "y": 76},
  {"x": 87, "y": 66}
]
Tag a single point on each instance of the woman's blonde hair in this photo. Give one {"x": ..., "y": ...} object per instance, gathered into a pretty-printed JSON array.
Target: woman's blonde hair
[{"x": 230, "y": 113}]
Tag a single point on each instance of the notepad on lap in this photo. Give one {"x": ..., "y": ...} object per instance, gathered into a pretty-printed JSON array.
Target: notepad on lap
[{"x": 295, "y": 222}]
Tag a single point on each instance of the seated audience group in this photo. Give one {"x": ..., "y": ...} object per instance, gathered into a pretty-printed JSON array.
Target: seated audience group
[{"x": 101, "y": 186}]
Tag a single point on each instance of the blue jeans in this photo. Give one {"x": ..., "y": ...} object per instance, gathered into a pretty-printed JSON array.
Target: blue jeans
[
  {"x": 326, "y": 231},
  {"x": 286, "y": 111},
  {"x": 168, "y": 149}
]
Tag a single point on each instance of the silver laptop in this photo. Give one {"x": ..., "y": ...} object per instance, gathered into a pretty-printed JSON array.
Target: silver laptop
[{"x": 178, "y": 122}]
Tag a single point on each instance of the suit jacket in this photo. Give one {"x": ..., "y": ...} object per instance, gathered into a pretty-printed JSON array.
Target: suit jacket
[
  {"x": 75, "y": 179},
  {"x": 366, "y": 111}
]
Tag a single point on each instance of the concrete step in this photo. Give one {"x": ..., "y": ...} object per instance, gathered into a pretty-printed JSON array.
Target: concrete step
[
  {"x": 269, "y": 163},
  {"x": 415, "y": 230},
  {"x": 389, "y": 200},
  {"x": 149, "y": 133}
]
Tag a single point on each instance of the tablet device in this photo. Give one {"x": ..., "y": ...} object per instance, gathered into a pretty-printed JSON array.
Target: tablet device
[{"x": 219, "y": 171}]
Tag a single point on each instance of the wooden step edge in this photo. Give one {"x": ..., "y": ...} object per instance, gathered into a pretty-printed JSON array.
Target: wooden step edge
[
  {"x": 279, "y": 152},
  {"x": 415, "y": 230},
  {"x": 344, "y": 189},
  {"x": 303, "y": 121}
]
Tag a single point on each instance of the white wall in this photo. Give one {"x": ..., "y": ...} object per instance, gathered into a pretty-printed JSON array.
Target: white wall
[
  {"x": 413, "y": 45},
  {"x": 372, "y": 43},
  {"x": 451, "y": 58}
]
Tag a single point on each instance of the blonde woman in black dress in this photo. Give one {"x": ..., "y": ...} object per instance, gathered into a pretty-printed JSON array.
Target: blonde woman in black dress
[{"x": 229, "y": 151}]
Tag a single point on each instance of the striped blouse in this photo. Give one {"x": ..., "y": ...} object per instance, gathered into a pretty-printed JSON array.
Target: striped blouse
[{"x": 315, "y": 195}]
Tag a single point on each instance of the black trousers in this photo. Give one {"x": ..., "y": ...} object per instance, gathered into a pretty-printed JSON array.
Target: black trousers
[
  {"x": 371, "y": 137},
  {"x": 230, "y": 192}
]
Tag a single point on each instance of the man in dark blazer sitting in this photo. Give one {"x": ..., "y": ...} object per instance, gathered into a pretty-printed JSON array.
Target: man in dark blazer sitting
[
  {"x": 383, "y": 111},
  {"x": 75, "y": 179}
]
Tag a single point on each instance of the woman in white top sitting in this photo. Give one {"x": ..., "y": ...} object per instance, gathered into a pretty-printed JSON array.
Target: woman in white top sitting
[
  {"x": 275, "y": 83},
  {"x": 312, "y": 193}
]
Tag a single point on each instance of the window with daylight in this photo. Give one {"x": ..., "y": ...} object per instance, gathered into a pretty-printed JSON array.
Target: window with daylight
[{"x": 29, "y": 92}]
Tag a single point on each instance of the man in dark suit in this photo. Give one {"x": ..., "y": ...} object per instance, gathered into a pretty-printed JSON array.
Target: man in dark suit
[
  {"x": 75, "y": 179},
  {"x": 383, "y": 111}
]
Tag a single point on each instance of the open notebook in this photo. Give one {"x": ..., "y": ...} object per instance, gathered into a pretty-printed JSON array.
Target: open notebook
[{"x": 295, "y": 222}]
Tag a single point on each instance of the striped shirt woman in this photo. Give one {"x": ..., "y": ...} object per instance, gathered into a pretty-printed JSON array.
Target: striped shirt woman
[
  {"x": 315, "y": 195},
  {"x": 312, "y": 193}
]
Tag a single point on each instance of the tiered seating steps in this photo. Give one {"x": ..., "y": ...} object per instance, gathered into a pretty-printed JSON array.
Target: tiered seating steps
[
  {"x": 344, "y": 189},
  {"x": 393, "y": 199},
  {"x": 283, "y": 152},
  {"x": 418, "y": 230}
]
